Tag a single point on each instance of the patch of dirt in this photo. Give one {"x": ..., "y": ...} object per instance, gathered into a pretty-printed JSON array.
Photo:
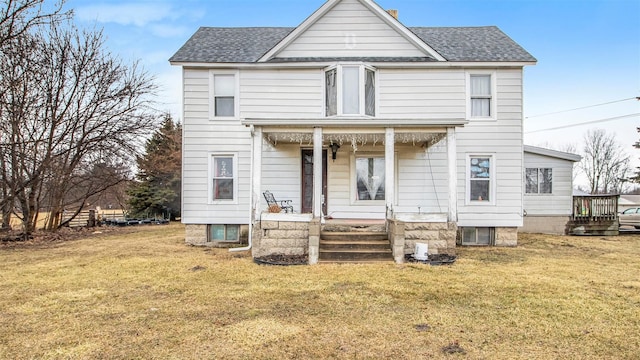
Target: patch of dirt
[
  {"x": 453, "y": 348},
  {"x": 282, "y": 260},
  {"x": 433, "y": 259},
  {"x": 40, "y": 238}
]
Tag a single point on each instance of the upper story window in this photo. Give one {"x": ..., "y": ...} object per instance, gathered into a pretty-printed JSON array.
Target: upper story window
[
  {"x": 538, "y": 181},
  {"x": 350, "y": 91},
  {"x": 224, "y": 88},
  {"x": 481, "y": 96}
]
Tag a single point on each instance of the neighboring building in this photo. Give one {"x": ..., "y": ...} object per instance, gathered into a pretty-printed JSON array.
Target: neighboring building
[
  {"x": 628, "y": 201},
  {"x": 548, "y": 190},
  {"x": 352, "y": 115}
]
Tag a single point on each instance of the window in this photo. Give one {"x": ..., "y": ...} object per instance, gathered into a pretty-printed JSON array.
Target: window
[
  {"x": 224, "y": 233},
  {"x": 477, "y": 236},
  {"x": 224, "y": 95},
  {"x": 538, "y": 181},
  {"x": 370, "y": 178},
  {"x": 223, "y": 175},
  {"x": 480, "y": 179},
  {"x": 350, "y": 90},
  {"x": 481, "y": 96}
]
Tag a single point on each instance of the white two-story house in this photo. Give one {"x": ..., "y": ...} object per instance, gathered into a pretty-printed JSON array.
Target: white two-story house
[{"x": 352, "y": 115}]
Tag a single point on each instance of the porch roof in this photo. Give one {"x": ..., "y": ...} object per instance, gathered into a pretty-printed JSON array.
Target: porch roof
[{"x": 349, "y": 122}]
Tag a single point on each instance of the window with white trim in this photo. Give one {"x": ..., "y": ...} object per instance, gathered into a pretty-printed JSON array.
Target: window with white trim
[
  {"x": 226, "y": 233},
  {"x": 480, "y": 178},
  {"x": 370, "y": 178},
  {"x": 538, "y": 181},
  {"x": 224, "y": 89},
  {"x": 350, "y": 90},
  {"x": 223, "y": 170},
  {"x": 477, "y": 236},
  {"x": 481, "y": 96}
]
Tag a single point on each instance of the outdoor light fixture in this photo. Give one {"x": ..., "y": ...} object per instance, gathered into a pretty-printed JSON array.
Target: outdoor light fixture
[{"x": 334, "y": 150}]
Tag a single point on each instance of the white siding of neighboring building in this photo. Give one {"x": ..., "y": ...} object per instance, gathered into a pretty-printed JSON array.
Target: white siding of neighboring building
[
  {"x": 350, "y": 30},
  {"x": 560, "y": 201}
]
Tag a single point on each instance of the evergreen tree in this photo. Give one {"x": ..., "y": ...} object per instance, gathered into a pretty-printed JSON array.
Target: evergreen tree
[{"x": 158, "y": 182}]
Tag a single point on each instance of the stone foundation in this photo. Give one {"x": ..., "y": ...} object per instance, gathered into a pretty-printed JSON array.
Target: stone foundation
[
  {"x": 195, "y": 234},
  {"x": 506, "y": 236},
  {"x": 439, "y": 236},
  {"x": 555, "y": 225},
  {"x": 281, "y": 237}
]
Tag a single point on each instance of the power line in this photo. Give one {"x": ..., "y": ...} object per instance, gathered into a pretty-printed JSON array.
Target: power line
[
  {"x": 583, "y": 107},
  {"x": 584, "y": 123}
]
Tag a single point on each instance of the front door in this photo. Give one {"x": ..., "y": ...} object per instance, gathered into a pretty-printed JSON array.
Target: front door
[{"x": 307, "y": 181}]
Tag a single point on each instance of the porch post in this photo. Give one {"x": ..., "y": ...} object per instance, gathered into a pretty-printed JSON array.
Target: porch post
[
  {"x": 256, "y": 173},
  {"x": 317, "y": 172},
  {"x": 452, "y": 164},
  {"x": 389, "y": 168}
]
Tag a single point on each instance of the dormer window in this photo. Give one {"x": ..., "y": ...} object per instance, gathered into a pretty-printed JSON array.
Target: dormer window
[{"x": 350, "y": 91}]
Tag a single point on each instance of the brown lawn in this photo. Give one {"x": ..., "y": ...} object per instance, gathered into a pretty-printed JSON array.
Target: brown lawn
[{"x": 146, "y": 295}]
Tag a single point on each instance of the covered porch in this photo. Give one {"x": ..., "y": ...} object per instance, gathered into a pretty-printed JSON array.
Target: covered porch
[{"x": 404, "y": 177}]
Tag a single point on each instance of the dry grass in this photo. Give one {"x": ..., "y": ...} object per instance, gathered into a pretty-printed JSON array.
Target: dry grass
[{"x": 147, "y": 295}]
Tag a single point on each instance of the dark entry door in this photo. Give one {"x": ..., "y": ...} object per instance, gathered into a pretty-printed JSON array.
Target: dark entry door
[{"x": 307, "y": 181}]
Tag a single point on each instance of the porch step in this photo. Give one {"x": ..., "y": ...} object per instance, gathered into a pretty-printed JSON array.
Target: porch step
[
  {"x": 355, "y": 255},
  {"x": 354, "y": 235},
  {"x": 354, "y": 246}
]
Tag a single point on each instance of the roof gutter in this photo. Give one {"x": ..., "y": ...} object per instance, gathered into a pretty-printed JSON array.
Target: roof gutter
[{"x": 379, "y": 64}]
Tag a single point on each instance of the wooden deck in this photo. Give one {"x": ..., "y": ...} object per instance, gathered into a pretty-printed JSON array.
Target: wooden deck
[{"x": 594, "y": 215}]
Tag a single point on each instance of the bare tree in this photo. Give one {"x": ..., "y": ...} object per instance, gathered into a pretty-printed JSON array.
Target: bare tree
[
  {"x": 636, "y": 176},
  {"x": 68, "y": 106},
  {"x": 604, "y": 162},
  {"x": 17, "y": 17}
]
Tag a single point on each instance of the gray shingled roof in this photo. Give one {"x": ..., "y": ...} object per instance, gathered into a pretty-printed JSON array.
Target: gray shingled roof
[
  {"x": 487, "y": 43},
  {"x": 247, "y": 45}
]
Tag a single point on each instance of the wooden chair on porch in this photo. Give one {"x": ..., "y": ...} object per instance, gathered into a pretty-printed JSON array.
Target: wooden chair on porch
[{"x": 271, "y": 202}]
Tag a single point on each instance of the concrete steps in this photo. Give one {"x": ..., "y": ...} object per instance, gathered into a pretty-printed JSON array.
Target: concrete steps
[{"x": 354, "y": 243}]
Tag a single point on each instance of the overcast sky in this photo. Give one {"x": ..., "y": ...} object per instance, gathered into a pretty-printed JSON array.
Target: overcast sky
[{"x": 588, "y": 51}]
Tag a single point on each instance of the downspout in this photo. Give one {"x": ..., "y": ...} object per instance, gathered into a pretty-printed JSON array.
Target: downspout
[{"x": 251, "y": 210}]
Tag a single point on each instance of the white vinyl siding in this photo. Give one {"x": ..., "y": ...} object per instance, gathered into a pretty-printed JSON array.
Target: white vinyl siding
[
  {"x": 202, "y": 138},
  {"x": 402, "y": 94},
  {"x": 421, "y": 93},
  {"x": 559, "y": 202},
  {"x": 282, "y": 93},
  {"x": 350, "y": 30},
  {"x": 502, "y": 138}
]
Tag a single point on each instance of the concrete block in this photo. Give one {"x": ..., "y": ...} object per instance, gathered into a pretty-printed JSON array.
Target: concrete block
[
  {"x": 195, "y": 234},
  {"x": 269, "y": 225}
]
